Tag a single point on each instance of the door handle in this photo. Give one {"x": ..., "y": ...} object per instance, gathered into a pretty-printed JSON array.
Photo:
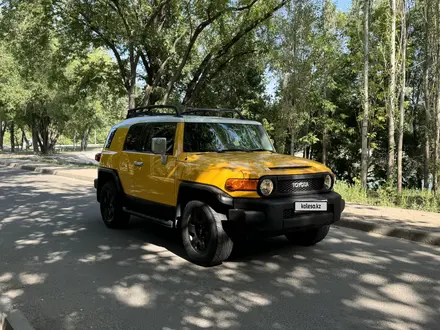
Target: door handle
[{"x": 138, "y": 164}]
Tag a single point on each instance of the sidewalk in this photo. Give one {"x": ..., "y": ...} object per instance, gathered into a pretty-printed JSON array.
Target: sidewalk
[
  {"x": 412, "y": 225},
  {"x": 74, "y": 172},
  {"x": 417, "y": 226}
]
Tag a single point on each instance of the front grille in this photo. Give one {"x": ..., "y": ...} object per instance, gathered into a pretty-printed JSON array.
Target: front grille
[
  {"x": 293, "y": 186},
  {"x": 288, "y": 213}
]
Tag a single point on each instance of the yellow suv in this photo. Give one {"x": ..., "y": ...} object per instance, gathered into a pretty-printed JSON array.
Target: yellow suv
[{"x": 215, "y": 179}]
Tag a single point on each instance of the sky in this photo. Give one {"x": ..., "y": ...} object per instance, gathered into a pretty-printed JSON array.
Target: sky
[{"x": 343, "y": 4}]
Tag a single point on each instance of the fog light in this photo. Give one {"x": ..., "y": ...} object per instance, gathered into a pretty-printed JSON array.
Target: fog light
[{"x": 266, "y": 187}]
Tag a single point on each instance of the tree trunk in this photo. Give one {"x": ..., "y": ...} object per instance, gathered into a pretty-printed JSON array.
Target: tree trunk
[
  {"x": 437, "y": 101},
  {"x": 427, "y": 102},
  {"x": 43, "y": 140},
  {"x": 131, "y": 82},
  {"x": 35, "y": 138},
  {"x": 364, "y": 158},
  {"x": 436, "y": 178},
  {"x": 292, "y": 143},
  {"x": 2, "y": 134},
  {"x": 12, "y": 132},
  {"x": 24, "y": 139},
  {"x": 392, "y": 93},
  {"x": 84, "y": 140},
  {"x": 324, "y": 147},
  {"x": 132, "y": 97},
  {"x": 402, "y": 100}
]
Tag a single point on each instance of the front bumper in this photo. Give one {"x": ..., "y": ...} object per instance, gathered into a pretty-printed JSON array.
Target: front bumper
[{"x": 278, "y": 214}]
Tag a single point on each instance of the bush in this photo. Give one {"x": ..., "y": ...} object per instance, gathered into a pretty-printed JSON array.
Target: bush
[{"x": 422, "y": 200}]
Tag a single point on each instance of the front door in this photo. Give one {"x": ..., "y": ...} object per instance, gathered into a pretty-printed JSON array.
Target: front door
[{"x": 158, "y": 182}]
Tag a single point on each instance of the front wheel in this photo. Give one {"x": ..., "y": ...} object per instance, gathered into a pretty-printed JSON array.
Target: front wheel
[
  {"x": 309, "y": 237},
  {"x": 203, "y": 236}
]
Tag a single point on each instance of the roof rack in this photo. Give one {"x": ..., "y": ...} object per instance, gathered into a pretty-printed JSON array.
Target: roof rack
[
  {"x": 205, "y": 111},
  {"x": 148, "y": 111}
]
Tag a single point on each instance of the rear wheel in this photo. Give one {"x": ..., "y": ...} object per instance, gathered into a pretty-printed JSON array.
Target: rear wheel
[
  {"x": 203, "y": 236},
  {"x": 112, "y": 212},
  {"x": 309, "y": 237}
]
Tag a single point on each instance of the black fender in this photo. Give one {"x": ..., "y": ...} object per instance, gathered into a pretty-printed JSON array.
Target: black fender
[
  {"x": 219, "y": 200},
  {"x": 104, "y": 175}
]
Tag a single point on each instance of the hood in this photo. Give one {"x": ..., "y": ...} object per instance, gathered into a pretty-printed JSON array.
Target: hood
[{"x": 257, "y": 164}]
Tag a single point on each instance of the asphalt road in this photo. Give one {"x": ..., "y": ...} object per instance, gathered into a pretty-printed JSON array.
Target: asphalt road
[{"x": 64, "y": 269}]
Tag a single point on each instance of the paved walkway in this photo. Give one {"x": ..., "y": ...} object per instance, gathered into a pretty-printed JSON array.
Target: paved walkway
[
  {"x": 390, "y": 216},
  {"x": 417, "y": 226},
  {"x": 75, "y": 172}
]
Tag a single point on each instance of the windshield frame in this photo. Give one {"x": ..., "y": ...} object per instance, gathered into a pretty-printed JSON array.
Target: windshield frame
[{"x": 265, "y": 144}]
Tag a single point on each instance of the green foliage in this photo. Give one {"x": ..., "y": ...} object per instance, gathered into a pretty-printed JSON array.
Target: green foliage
[
  {"x": 352, "y": 193},
  {"x": 422, "y": 200}
]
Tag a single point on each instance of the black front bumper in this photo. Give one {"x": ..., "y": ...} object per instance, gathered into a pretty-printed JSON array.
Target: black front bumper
[{"x": 279, "y": 215}]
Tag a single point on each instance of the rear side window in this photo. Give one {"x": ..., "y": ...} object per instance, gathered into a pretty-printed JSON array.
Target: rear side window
[
  {"x": 110, "y": 137},
  {"x": 160, "y": 130},
  {"x": 134, "y": 138}
]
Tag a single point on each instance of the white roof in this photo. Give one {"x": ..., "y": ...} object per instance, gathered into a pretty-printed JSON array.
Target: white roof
[{"x": 183, "y": 119}]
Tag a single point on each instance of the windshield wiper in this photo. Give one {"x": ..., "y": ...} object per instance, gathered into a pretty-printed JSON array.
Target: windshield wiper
[
  {"x": 234, "y": 149},
  {"x": 262, "y": 149}
]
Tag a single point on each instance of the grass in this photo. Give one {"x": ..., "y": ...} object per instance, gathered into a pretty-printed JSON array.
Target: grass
[{"x": 414, "y": 199}]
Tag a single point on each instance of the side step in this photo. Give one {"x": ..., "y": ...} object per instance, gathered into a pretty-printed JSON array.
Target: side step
[{"x": 162, "y": 222}]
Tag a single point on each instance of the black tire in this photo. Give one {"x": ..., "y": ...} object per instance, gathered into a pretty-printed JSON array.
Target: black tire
[
  {"x": 203, "y": 236},
  {"x": 112, "y": 212},
  {"x": 309, "y": 237}
]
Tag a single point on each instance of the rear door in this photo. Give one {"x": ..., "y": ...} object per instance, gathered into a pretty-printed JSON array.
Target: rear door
[{"x": 131, "y": 162}]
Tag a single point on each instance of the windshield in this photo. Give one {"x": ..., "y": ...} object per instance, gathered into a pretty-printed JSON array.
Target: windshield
[{"x": 222, "y": 137}]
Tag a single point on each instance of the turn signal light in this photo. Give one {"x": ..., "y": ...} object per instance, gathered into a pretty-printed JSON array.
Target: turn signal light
[
  {"x": 241, "y": 185},
  {"x": 98, "y": 157}
]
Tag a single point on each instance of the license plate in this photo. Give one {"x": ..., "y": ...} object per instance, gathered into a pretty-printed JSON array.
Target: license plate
[{"x": 308, "y": 206}]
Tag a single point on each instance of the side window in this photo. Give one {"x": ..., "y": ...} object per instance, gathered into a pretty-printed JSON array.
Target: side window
[
  {"x": 110, "y": 137},
  {"x": 200, "y": 137},
  {"x": 160, "y": 130},
  {"x": 134, "y": 138}
]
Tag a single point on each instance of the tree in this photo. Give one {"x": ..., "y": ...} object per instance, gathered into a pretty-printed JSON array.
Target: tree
[
  {"x": 427, "y": 95},
  {"x": 437, "y": 98},
  {"x": 92, "y": 95},
  {"x": 294, "y": 62},
  {"x": 392, "y": 94},
  {"x": 153, "y": 34},
  {"x": 365, "y": 117},
  {"x": 403, "y": 37},
  {"x": 12, "y": 92}
]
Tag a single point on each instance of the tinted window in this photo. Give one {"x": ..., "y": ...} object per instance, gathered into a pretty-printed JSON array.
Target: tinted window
[
  {"x": 134, "y": 138},
  {"x": 219, "y": 137},
  {"x": 160, "y": 130},
  {"x": 110, "y": 137}
]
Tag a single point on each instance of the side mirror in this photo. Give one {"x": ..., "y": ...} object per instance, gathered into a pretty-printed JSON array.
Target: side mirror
[{"x": 159, "y": 146}]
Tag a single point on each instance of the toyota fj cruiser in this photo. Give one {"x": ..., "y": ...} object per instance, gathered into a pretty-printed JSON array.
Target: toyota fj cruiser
[{"x": 215, "y": 179}]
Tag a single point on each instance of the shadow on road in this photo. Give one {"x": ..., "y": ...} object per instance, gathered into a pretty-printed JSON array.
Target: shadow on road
[{"x": 64, "y": 269}]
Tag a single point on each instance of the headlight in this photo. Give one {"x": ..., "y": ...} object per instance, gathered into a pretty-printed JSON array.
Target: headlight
[
  {"x": 266, "y": 187},
  {"x": 328, "y": 182}
]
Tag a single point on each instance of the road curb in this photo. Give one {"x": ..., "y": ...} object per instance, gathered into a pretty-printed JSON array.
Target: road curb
[
  {"x": 15, "y": 320},
  {"x": 43, "y": 170},
  {"x": 413, "y": 235}
]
